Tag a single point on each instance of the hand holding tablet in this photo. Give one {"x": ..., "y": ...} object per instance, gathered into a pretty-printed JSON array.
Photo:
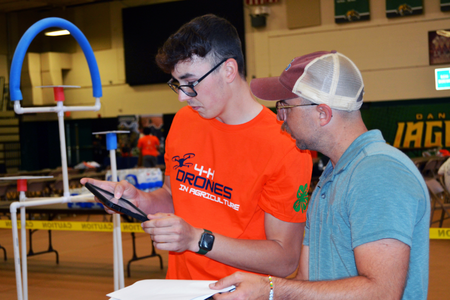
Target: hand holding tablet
[{"x": 123, "y": 206}]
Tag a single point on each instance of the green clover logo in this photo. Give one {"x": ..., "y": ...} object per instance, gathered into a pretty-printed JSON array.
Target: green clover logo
[{"x": 302, "y": 198}]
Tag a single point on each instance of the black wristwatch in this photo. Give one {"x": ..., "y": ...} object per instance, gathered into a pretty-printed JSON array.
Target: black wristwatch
[{"x": 206, "y": 242}]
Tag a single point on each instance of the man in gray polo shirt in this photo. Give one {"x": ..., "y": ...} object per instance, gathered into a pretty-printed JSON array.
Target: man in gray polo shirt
[{"x": 367, "y": 229}]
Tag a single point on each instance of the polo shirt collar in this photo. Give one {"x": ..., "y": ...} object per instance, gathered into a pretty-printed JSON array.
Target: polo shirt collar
[{"x": 356, "y": 147}]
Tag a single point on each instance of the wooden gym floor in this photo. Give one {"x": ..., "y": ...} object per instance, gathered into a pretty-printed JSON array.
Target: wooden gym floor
[{"x": 85, "y": 269}]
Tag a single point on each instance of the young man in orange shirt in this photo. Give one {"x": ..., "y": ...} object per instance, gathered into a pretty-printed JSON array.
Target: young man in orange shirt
[{"x": 236, "y": 187}]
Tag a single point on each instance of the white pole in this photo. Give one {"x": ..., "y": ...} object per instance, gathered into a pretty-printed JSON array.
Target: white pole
[
  {"x": 62, "y": 140},
  {"x": 31, "y": 110},
  {"x": 117, "y": 234},
  {"x": 16, "y": 251},
  {"x": 112, "y": 155},
  {"x": 120, "y": 255},
  {"x": 23, "y": 235}
]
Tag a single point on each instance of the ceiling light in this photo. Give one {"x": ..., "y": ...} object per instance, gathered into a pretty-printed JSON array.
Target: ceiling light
[{"x": 57, "y": 33}]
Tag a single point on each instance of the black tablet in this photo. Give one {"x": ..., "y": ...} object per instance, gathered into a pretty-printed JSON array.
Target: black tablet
[{"x": 124, "y": 206}]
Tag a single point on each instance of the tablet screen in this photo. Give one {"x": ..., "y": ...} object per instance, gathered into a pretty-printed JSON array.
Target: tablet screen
[{"x": 123, "y": 206}]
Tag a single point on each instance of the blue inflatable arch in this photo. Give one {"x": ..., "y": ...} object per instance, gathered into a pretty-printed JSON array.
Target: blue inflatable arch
[{"x": 30, "y": 34}]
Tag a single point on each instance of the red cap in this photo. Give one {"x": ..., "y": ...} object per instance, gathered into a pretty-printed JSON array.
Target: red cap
[{"x": 280, "y": 87}]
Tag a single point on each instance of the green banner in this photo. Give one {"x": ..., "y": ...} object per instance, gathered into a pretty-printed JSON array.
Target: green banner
[
  {"x": 445, "y": 5},
  {"x": 402, "y": 8},
  {"x": 351, "y": 10},
  {"x": 413, "y": 126}
]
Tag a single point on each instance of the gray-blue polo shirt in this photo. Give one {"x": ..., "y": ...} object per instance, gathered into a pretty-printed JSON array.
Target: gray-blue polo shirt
[{"x": 374, "y": 192}]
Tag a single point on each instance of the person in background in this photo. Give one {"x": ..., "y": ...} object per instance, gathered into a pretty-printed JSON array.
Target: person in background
[
  {"x": 367, "y": 228},
  {"x": 236, "y": 188},
  {"x": 148, "y": 146},
  {"x": 444, "y": 170}
]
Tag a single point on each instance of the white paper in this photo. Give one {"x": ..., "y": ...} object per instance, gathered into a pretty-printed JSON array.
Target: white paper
[{"x": 156, "y": 289}]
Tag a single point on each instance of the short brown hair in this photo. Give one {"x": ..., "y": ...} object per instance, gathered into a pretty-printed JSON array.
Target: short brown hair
[{"x": 207, "y": 35}]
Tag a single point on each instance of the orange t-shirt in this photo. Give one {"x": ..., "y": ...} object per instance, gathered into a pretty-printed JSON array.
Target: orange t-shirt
[
  {"x": 149, "y": 145},
  {"x": 225, "y": 177}
]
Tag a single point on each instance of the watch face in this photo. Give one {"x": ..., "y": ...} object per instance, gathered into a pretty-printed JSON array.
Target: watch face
[{"x": 207, "y": 241}]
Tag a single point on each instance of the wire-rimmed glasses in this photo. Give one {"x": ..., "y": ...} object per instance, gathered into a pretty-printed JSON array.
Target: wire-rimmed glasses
[{"x": 282, "y": 106}]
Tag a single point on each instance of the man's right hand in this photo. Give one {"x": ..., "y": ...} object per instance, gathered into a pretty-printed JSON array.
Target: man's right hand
[
  {"x": 119, "y": 189},
  {"x": 248, "y": 287}
]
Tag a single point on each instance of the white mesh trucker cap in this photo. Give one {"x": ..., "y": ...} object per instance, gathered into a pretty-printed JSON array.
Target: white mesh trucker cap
[{"x": 321, "y": 77}]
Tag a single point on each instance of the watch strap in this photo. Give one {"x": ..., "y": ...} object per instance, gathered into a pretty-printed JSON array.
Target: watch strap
[{"x": 202, "y": 252}]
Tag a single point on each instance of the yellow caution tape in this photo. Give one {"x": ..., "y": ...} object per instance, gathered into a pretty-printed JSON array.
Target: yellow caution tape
[
  {"x": 440, "y": 233},
  {"x": 74, "y": 226},
  {"x": 435, "y": 233}
]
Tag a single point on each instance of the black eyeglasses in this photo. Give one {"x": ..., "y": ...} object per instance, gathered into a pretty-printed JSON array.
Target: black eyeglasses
[
  {"x": 282, "y": 106},
  {"x": 188, "y": 89}
]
